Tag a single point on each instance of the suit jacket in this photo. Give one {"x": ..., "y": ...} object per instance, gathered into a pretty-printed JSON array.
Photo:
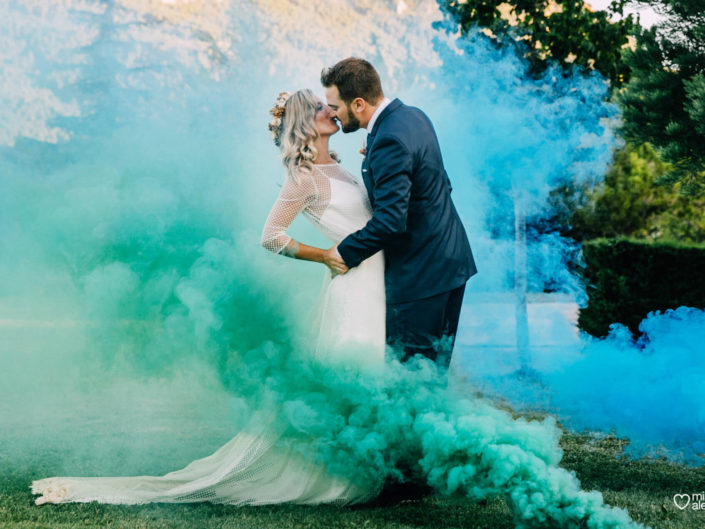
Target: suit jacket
[{"x": 414, "y": 220}]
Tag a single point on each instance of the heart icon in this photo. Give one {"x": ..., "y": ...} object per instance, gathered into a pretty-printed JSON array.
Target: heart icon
[{"x": 681, "y": 497}]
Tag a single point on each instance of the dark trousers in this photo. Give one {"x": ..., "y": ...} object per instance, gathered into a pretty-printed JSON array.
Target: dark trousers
[{"x": 426, "y": 326}]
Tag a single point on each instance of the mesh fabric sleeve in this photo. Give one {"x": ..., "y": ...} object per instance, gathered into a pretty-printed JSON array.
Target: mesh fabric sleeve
[{"x": 293, "y": 198}]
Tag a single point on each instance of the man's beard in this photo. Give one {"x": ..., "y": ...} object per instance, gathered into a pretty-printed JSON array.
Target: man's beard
[{"x": 353, "y": 123}]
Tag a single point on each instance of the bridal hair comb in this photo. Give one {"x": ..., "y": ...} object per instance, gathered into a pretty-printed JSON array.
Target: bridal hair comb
[{"x": 277, "y": 113}]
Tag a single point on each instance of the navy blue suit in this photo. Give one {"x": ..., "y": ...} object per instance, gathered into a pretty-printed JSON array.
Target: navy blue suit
[{"x": 428, "y": 258}]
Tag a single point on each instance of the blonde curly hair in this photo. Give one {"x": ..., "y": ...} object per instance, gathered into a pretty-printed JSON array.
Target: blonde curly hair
[{"x": 294, "y": 131}]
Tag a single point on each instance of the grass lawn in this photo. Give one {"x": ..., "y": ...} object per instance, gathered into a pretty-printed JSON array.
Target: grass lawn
[{"x": 645, "y": 488}]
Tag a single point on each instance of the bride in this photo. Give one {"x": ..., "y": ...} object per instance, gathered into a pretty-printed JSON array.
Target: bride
[
  {"x": 252, "y": 468},
  {"x": 351, "y": 308}
]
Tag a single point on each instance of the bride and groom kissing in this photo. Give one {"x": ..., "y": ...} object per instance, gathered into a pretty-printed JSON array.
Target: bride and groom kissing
[
  {"x": 402, "y": 255},
  {"x": 395, "y": 277}
]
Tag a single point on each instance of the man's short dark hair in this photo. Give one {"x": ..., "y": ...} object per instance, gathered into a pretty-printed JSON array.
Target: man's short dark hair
[{"x": 354, "y": 78}]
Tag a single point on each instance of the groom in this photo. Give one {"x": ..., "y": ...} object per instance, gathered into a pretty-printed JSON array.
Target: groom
[{"x": 427, "y": 254}]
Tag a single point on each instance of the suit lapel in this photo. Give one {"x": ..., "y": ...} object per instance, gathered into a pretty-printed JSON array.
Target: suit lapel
[
  {"x": 367, "y": 177},
  {"x": 391, "y": 107}
]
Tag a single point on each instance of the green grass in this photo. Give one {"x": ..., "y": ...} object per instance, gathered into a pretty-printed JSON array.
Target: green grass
[{"x": 645, "y": 488}]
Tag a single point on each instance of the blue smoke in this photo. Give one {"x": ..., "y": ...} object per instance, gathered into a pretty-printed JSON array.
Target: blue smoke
[{"x": 649, "y": 391}]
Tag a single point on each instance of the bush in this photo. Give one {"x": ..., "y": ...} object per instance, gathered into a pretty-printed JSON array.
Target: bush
[
  {"x": 628, "y": 278},
  {"x": 630, "y": 203}
]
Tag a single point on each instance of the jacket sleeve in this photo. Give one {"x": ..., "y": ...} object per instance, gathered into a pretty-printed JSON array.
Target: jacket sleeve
[{"x": 391, "y": 166}]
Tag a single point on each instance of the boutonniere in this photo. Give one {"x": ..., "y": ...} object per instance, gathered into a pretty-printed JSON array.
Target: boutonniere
[{"x": 363, "y": 151}]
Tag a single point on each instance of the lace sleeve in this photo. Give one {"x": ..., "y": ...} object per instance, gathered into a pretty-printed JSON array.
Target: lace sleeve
[{"x": 293, "y": 198}]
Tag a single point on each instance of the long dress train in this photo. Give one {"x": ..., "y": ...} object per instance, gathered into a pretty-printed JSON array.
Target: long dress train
[{"x": 252, "y": 468}]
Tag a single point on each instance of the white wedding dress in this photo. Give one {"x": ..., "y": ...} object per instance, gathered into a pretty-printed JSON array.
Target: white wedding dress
[{"x": 252, "y": 469}]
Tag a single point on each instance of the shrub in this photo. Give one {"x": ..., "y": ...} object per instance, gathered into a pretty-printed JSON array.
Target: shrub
[{"x": 628, "y": 278}]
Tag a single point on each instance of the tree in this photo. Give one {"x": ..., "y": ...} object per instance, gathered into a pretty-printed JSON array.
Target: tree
[
  {"x": 664, "y": 101},
  {"x": 567, "y": 32},
  {"x": 658, "y": 78},
  {"x": 630, "y": 203}
]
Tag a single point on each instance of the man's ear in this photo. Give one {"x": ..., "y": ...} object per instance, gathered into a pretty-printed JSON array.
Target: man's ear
[{"x": 358, "y": 105}]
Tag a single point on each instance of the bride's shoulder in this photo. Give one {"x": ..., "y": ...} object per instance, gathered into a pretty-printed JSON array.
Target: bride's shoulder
[
  {"x": 331, "y": 169},
  {"x": 299, "y": 176},
  {"x": 302, "y": 181}
]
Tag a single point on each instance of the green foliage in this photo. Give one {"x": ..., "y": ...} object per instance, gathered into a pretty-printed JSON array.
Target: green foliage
[
  {"x": 664, "y": 101},
  {"x": 626, "y": 279},
  {"x": 630, "y": 202},
  {"x": 567, "y": 32}
]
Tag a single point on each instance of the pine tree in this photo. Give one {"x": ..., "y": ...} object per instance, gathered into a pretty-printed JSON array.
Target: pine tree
[{"x": 664, "y": 101}]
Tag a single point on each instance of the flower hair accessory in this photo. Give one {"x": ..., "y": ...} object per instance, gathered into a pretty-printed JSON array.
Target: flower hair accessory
[{"x": 277, "y": 113}]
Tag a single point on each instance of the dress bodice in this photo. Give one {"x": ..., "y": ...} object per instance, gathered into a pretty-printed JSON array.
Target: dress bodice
[
  {"x": 348, "y": 208},
  {"x": 329, "y": 196}
]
